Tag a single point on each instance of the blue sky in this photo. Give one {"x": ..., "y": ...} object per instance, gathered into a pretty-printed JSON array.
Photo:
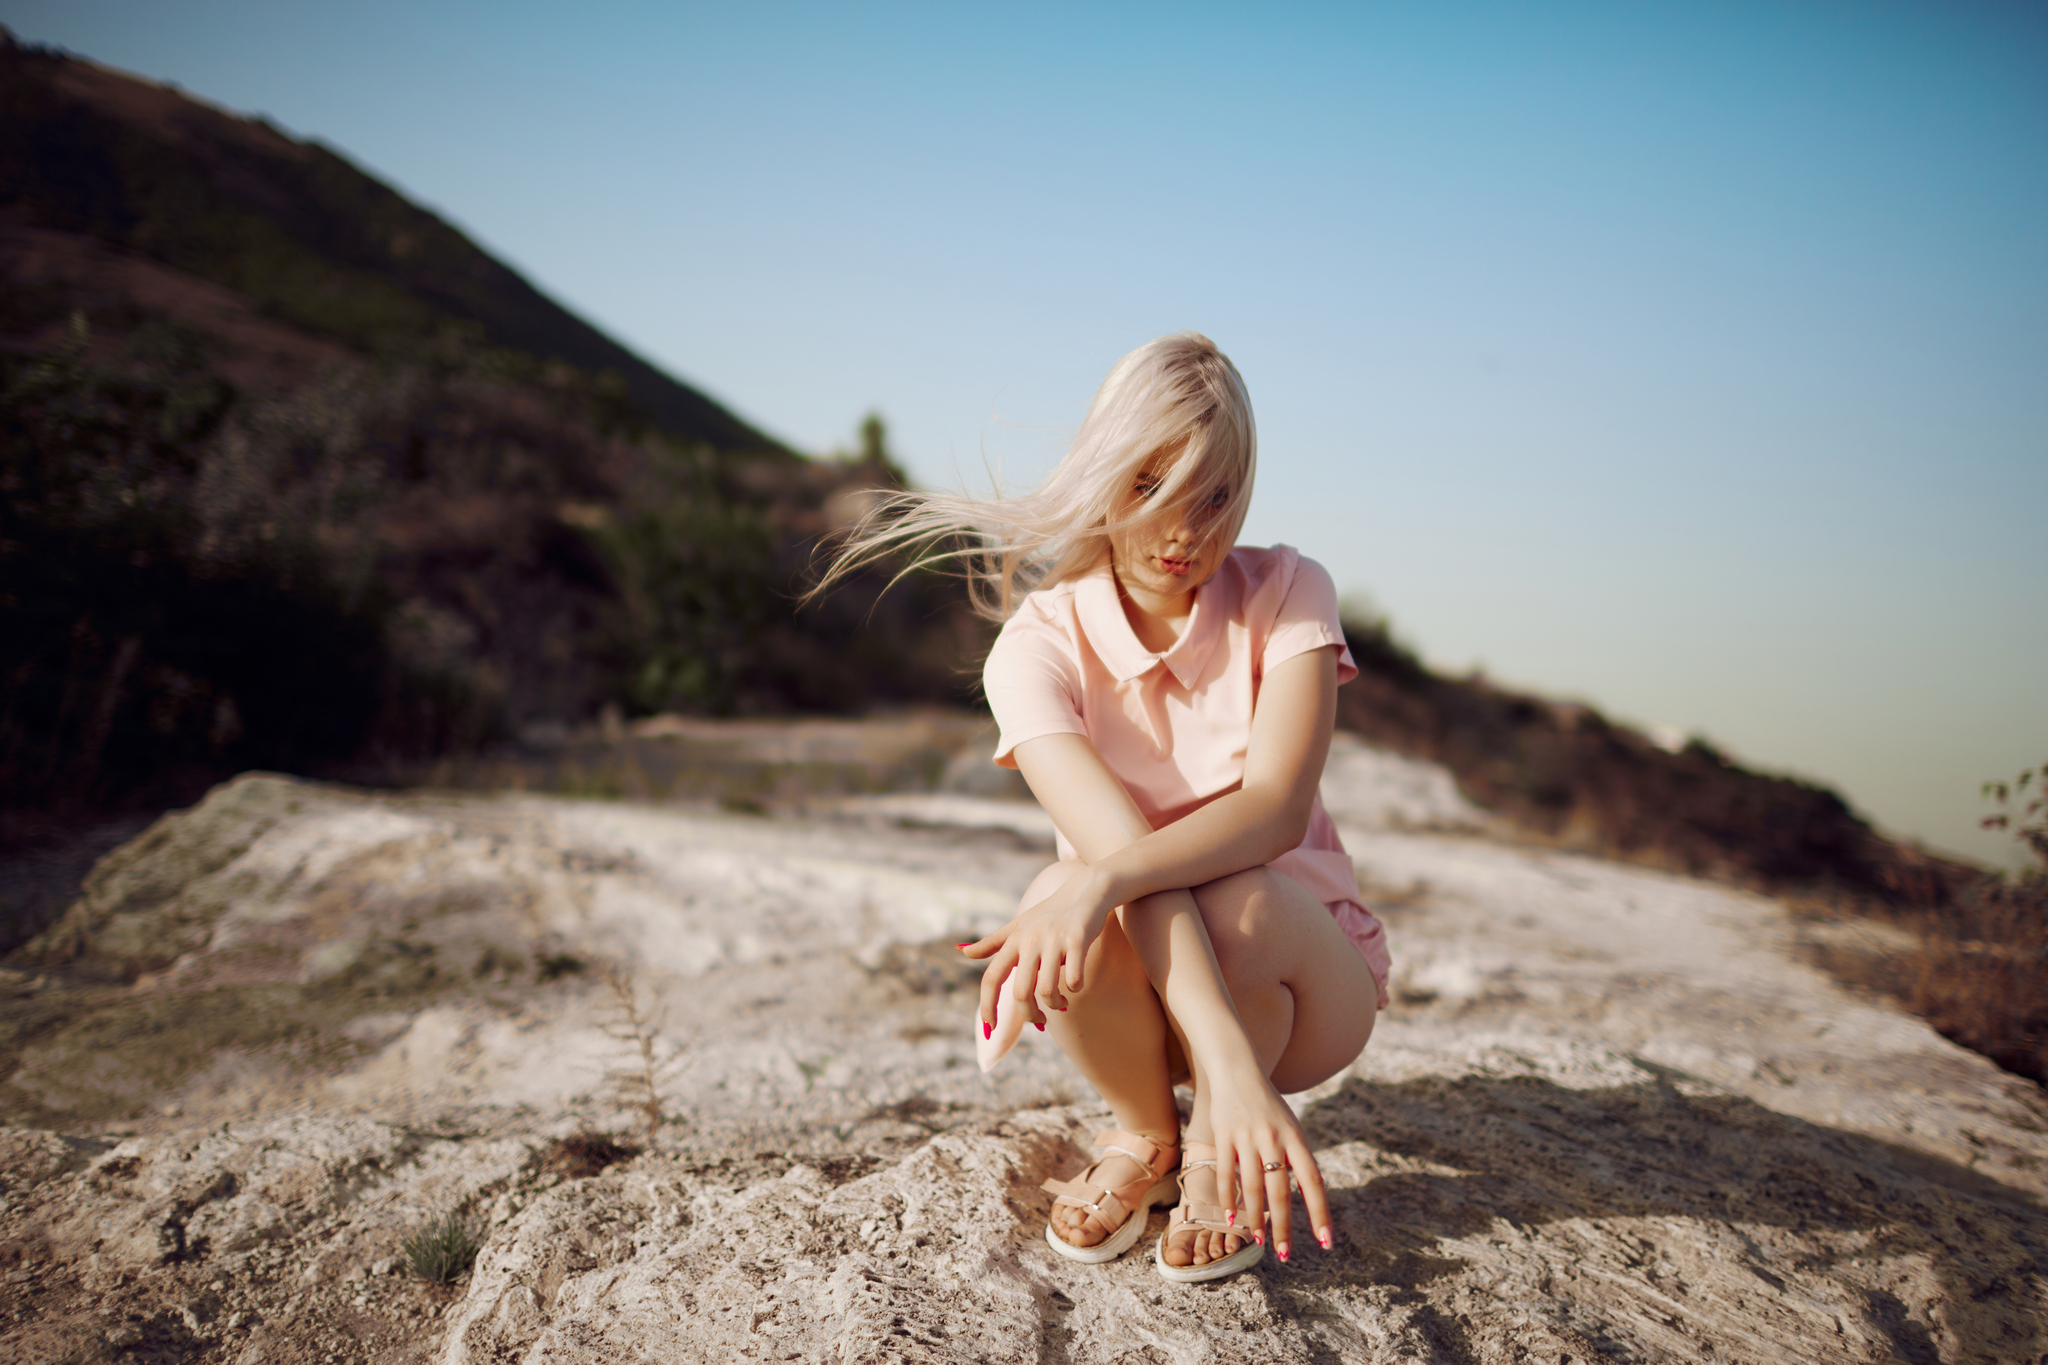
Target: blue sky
[{"x": 1691, "y": 360}]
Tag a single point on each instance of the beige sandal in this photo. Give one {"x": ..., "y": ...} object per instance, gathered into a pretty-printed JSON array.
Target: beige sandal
[
  {"x": 1118, "y": 1210},
  {"x": 1193, "y": 1213}
]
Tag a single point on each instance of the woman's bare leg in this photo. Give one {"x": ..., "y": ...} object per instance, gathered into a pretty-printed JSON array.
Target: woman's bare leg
[
  {"x": 1114, "y": 1031},
  {"x": 1302, "y": 991}
]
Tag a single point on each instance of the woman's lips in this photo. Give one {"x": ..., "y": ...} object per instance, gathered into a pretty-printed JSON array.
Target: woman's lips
[{"x": 1176, "y": 567}]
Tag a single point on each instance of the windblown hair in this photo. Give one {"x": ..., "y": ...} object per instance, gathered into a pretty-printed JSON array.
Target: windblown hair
[{"x": 1178, "y": 395}]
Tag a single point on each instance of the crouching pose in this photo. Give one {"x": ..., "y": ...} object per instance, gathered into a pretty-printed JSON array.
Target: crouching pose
[{"x": 1169, "y": 696}]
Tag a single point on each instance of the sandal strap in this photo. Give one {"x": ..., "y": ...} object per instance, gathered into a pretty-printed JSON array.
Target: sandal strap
[
  {"x": 1196, "y": 1213},
  {"x": 1140, "y": 1149},
  {"x": 1106, "y": 1202}
]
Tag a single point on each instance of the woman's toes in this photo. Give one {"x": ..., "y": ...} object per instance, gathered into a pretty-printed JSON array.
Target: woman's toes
[{"x": 1076, "y": 1229}]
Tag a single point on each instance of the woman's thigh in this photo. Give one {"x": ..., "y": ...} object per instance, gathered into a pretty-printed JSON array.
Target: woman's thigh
[{"x": 1269, "y": 931}]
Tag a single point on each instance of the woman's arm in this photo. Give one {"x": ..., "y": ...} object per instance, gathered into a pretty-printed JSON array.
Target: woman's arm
[
  {"x": 1148, "y": 872},
  {"x": 1128, "y": 860},
  {"x": 1264, "y": 818}
]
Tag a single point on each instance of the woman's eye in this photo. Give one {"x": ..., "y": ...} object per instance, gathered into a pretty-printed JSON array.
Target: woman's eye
[
  {"x": 1147, "y": 487},
  {"x": 1216, "y": 500}
]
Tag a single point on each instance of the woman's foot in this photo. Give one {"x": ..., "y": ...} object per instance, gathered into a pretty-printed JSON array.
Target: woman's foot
[
  {"x": 1097, "y": 1216},
  {"x": 1201, "y": 1242}
]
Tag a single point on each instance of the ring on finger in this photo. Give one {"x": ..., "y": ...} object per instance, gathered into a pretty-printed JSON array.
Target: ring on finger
[{"x": 1273, "y": 1166}]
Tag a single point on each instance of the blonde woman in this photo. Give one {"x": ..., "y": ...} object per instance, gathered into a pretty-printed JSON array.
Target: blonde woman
[{"x": 1169, "y": 696}]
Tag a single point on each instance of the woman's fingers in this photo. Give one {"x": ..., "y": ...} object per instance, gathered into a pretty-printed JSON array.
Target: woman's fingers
[
  {"x": 1251, "y": 1189},
  {"x": 1024, "y": 986},
  {"x": 1315, "y": 1197},
  {"x": 1274, "y": 1182},
  {"x": 1074, "y": 977},
  {"x": 990, "y": 942},
  {"x": 992, "y": 982},
  {"x": 1049, "y": 982}
]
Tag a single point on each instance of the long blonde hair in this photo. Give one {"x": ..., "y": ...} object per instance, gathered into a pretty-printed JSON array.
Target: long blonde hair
[{"x": 1178, "y": 394}]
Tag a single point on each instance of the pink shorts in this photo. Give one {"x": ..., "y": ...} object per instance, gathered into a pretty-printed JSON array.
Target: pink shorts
[{"x": 1364, "y": 929}]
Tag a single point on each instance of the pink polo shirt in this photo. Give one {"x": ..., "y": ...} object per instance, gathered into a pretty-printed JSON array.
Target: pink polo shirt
[{"x": 1175, "y": 727}]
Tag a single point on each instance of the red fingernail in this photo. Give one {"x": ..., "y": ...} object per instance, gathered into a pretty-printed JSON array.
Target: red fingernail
[
  {"x": 987, "y": 1031},
  {"x": 1282, "y": 1249},
  {"x": 1040, "y": 1027},
  {"x": 1230, "y": 1218},
  {"x": 963, "y": 945},
  {"x": 1259, "y": 1237},
  {"x": 1323, "y": 1236}
]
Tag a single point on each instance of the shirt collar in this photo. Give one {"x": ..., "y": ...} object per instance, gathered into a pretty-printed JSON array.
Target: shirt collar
[{"x": 1110, "y": 635}]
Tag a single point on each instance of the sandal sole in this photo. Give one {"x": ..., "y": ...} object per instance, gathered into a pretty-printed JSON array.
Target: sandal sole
[{"x": 1244, "y": 1258}]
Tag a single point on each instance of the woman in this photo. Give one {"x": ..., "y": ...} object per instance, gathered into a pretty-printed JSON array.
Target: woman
[{"x": 1169, "y": 698}]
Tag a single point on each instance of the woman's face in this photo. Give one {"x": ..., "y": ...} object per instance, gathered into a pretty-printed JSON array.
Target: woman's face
[{"x": 1174, "y": 553}]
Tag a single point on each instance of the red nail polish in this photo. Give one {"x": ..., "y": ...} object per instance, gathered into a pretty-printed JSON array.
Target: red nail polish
[
  {"x": 1259, "y": 1237},
  {"x": 987, "y": 1031},
  {"x": 1040, "y": 1027},
  {"x": 963, "y": 946},
  {"x": 1283, "y": 1251}
]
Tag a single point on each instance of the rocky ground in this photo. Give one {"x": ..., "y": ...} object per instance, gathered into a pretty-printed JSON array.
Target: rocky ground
[{"x": 1611, "y": 1116}]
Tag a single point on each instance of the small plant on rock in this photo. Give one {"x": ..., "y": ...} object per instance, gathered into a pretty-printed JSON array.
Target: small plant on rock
[
  {"x": 637, "y": 1086},
  {"x": 444, "y": 1249}
]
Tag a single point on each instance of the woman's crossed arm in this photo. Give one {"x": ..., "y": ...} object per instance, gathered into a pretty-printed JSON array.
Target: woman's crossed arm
[{"x": 1127, "y": 859}]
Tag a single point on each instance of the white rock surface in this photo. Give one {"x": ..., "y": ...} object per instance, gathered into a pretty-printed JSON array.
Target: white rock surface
[{"x": 1612, "y": 1115}]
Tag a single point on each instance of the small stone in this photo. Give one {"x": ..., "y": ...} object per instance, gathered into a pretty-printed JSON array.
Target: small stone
[
  {"x": 237, "y": 1318},
  {"x": 124, "y": 1336},
  {"x": 387, "y": 1266}
]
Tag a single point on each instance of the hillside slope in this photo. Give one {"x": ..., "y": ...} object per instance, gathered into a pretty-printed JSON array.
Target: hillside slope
[
  {"x": 91, "y": 157},
  {"x": 294, "y": 476}
]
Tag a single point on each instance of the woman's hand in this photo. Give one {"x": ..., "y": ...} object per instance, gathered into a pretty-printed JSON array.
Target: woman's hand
[
  {"x": 1047, "y": 945},
  {"x": 1258, "y": 1144}
]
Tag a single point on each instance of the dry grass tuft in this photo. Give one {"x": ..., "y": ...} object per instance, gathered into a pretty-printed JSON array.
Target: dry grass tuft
[
  {"x": 1979, "y": 970},
  {"x": 637, "y": 1086},
  {"x": 1981, "y": 977},
  {"x": 443, "y": 1250}
]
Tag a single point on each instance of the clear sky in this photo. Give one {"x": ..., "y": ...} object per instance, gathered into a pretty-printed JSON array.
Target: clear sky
[{"x": 1691, "y": 360}]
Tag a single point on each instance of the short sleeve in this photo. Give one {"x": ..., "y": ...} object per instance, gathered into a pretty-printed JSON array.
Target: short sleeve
[
  {"x": 1307, "y": 620},
  {"x": 1033, "y": 687}
]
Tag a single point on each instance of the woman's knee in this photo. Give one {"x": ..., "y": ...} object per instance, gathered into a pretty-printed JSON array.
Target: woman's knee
[
  {"x": 1111, "y": 960},
  {"x": 1050, "y": 880},
  {"x": 1240, "y": 912}
]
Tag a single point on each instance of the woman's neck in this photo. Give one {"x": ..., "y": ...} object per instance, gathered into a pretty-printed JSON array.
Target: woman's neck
[{"x": 1157, "y": 619}]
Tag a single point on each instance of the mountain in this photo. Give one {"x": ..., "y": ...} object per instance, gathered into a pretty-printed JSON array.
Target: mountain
[
  {"x": 109, "y": 181},
  {"x": 293, "y": 475}
]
